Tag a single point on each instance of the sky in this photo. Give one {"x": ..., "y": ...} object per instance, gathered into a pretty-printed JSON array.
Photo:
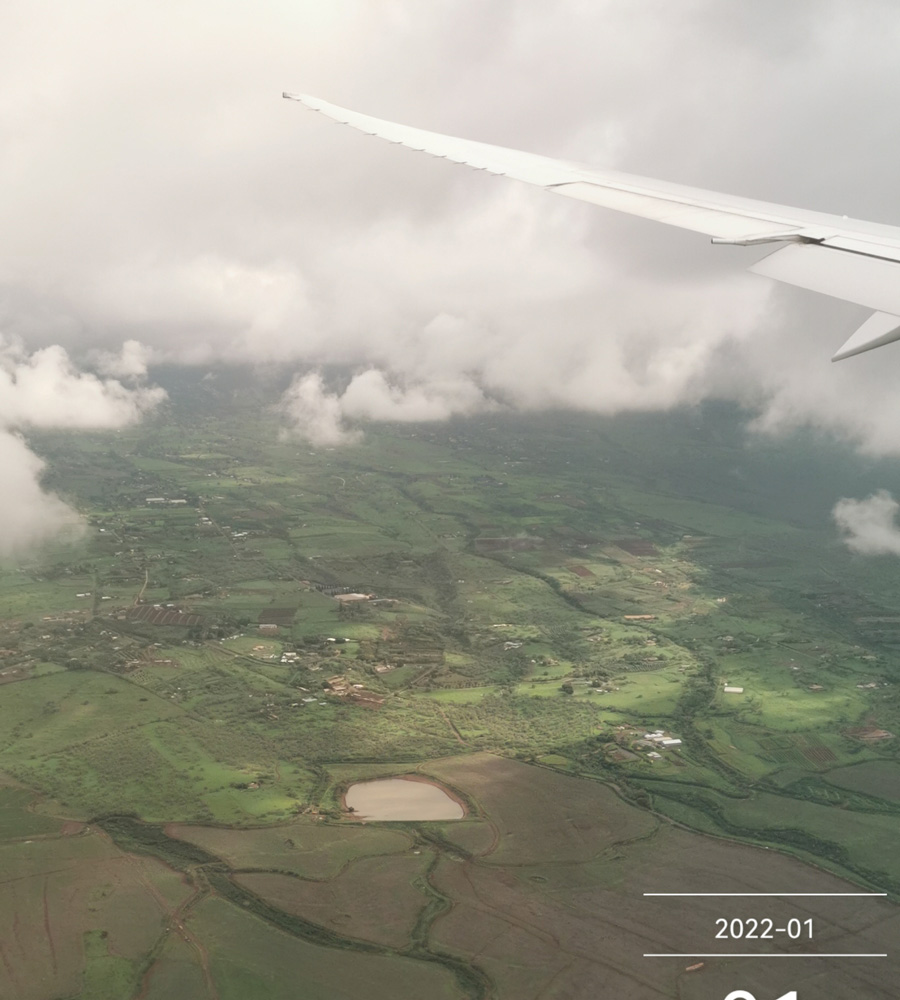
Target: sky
[{"x": 159, "y": 201}]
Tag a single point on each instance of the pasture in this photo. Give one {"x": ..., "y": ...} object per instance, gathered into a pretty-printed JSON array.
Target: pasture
[
  {"x": 306, "y": 848},
  {"x": 251, "y": 960}
]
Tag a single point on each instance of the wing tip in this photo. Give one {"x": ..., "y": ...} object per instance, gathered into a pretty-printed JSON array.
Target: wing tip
[{"x": 879, "y": 329}]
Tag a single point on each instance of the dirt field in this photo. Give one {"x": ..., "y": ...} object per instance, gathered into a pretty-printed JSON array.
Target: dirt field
[
  {"x": 637, "y": 546},
  {"x": 277, "y": 616},
  {"x": 156, "y": 615}
]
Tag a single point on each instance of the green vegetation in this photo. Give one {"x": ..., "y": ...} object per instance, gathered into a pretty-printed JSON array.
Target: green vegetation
[
  {"x": 17, "y": 820},
  {"x": 106, "y": 976},
  {"x": 540, "y": 593}
]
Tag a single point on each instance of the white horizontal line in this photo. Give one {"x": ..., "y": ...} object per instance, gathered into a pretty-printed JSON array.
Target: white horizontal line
[
  {"x": 765, "y": 893},
  {"x": 764, "y": 954}
]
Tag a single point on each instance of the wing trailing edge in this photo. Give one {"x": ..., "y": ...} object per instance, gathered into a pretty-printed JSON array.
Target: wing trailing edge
[{"x": 845, "y": 258}]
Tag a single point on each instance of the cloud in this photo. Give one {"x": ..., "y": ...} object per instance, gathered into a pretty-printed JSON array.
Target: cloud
[
  {"x": 45, "y": 389},
  {"x": 332, "y": 418},
  {"x": 315, "y": 415},
  {"x": 131, "y": 361},
  {"x": 150, "y": 193},
  {"x": 869, "y": 526},
  {"x": 370, "y": 396},
  {"x": 28, "y": 515}
]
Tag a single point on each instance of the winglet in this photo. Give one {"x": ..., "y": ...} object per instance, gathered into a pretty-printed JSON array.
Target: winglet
[{"x": 879, "y": 329}]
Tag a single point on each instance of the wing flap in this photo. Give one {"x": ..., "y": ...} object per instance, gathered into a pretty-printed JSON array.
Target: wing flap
[
  {"x": 854, "y": 277},
  {"x": 867, "y": 247},
  {"x": 713, "y": 221}
]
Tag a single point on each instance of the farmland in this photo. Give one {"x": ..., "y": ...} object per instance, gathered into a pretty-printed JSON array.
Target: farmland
[{"x": 523, "y": 608}]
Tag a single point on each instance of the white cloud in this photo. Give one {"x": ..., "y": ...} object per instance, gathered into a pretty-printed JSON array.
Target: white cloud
[
  {"x": 45, "y": 389},
  {"x": 314, "y": 414},
  {"x": 370, "y": 396},
  {"x": 131, "y": 361},
  {"x": 149, "y": 192},
  {"x": 28, "y": 515},
  {"x": 331, "y": 418},
  {"x": 869, "y": 526}
]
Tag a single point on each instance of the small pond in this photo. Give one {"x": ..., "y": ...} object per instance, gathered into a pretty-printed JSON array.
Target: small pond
[{"x": 401, "y": 799}]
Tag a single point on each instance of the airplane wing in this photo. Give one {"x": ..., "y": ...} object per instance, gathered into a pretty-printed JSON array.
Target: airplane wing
[{"x": 845, "y": 258}]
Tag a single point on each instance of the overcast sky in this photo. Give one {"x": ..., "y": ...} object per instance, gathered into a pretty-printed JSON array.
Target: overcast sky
[{"x": 156, "y": 192}]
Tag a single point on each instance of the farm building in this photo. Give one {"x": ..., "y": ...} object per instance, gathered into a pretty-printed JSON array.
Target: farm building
[{"x": 661, "y": 740}]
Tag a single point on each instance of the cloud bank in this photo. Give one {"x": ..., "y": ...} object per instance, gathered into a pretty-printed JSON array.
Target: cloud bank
[
  {"x": 155, "y": 189},
  {"x": 44, "y": 389},
  {"x": 331, "y": 418}
]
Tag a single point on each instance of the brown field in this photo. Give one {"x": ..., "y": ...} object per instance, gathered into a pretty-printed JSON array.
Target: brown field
[
  {"x": 557, "y": 913},
  {"x": 523, "y": 803},
  {"x": 373, "y": 899},
  {"x": 637, "y": 546},
  {"x": 57, "y": 888},
  {"x": 310, "y": 849},
  {"x": 153, "y": 614},
  {"x": 582, "y": 931},
  {"x": 12, "y": 674},
  {"x": 277, "y": 616},
  {"x": 869, "y": 734}
]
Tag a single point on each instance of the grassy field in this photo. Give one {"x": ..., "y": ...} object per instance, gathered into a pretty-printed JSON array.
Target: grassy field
[
  {"x": 376, "y": 899},
  {"x": 79, "y": 917},
  {"x": 880, "y": 779},
  {"x": 250, "y": 960},
  {"x": 308, "y": 849},
  {"x": 18, "y": 821},
  {"x": 593, "y": 818}
]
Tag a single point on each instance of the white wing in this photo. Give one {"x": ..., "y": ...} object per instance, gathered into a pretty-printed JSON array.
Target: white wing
[{"x": 845, "y": 258}]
